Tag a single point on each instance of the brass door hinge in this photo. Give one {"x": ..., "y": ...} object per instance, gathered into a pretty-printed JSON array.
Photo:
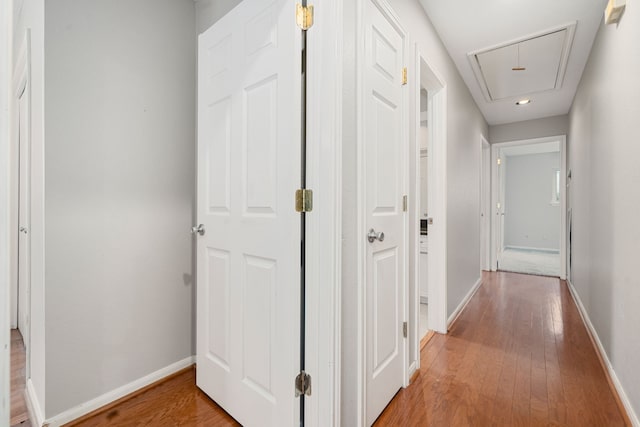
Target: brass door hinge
[
  {"x": 304, "y": 200},
  {"x": 404, "y": 76},
  {"x": 303, "y": 384},
  {"x": 304, "y": 16}
]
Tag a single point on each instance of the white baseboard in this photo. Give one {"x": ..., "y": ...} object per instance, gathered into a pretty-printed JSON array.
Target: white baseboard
[
  {"x": 531, "y": 248},
  {"x": 464, "y": 302},
  {"x": 600, "y": 348},
  {"x": 33, "y": 406},
  {"x": 412, "y": 370},
  {"x": 100, "y": 401}
]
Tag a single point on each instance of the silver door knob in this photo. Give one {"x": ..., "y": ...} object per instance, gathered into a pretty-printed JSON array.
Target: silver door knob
[
  {"x": 23, "y": 230},
  {"x": 372, "y": 236},
  {"x": 198, "y": 229}
]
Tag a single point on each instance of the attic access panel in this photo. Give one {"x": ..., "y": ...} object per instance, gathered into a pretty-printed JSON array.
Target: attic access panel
[{"x": 544, "y": 57}]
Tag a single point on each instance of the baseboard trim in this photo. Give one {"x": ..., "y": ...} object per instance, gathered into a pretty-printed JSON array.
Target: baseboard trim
[
  {"x": 463, "y": 303},
  {"x": 531, "y": 248},
  {"x": 619, "y": 394},
  {"x": 102, "y": 403},
  {"x": 426, "y": 339},
  {"x": 33, "y": 406}
]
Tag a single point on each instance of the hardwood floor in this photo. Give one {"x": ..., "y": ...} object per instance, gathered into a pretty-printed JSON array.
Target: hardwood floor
[
  {"x": 19, "y": 415},
  {"x": 175, "y": 402},
  {"x": 518, "y": 355}
]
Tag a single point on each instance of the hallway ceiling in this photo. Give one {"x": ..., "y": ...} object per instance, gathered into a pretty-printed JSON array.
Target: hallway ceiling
[{"x": 484, "y": 36}]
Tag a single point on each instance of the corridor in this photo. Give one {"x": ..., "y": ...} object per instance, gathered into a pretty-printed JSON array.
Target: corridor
[{"x": 518, "y": 354}]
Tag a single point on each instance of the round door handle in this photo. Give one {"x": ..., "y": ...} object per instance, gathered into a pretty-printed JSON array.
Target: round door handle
[
  {"x": 198, "y": 229},
  {"x": 372, "y": 236}
]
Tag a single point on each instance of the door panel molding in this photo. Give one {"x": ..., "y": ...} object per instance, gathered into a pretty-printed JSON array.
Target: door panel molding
[{"x": 380, "y": 201}]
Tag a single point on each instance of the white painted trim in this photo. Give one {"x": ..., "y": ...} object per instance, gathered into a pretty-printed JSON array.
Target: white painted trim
[
  {"x": 33, "y": 406},
  {"x": 531, "y": 248},
  {"x": 412, "y": 369},
  {"x": 415, "y": 153},
  {"x": 600, "y": 348},
  {"x": 118, "y": 393},
  {"x": 437, "y": 272},
  {"x": 495, "y": 150},
  {"x": 485, "y": 197},
  {"x": 437, "y": 194},
  {"x": 464, "y": 302},
  {"x": 324, "y": 225}
]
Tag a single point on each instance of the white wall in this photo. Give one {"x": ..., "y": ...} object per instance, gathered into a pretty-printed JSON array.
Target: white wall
[
  {"x": 530, "y": 219},
  {"x": 120, "y": 182},
  {"x": 529, "y": 129},
  {"x": 603, "y": 194},
  {"x": 5, "y": 352},
  {"x": 465, "y": 124}
]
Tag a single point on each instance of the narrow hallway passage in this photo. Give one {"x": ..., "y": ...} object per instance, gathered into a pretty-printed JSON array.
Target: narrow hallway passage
[{"x": 518, "y": 354}]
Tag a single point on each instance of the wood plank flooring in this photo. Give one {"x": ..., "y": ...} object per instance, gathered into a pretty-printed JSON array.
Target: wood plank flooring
[
  {"x": 175, "y": 402},
  {"x": 19, "y": 415},
  {"x": 518, "y": 355}
]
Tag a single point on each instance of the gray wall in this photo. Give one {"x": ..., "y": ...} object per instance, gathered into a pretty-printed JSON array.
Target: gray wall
[
  {"x": 530, "y": 218},
  {"x": 603, "y": 153},
  {"x": 529, "y": 129},
  {"x": 210, "y": 11},
  {"x": 465, "y": 124},
  {"x": 120, "y": 153}
]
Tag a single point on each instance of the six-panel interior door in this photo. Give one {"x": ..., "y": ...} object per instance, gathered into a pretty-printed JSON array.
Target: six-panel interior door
[
  {"x": 24, "y": 220},
  {"x": 248, "y": 259},
  {"x": 385, "y": 150}
]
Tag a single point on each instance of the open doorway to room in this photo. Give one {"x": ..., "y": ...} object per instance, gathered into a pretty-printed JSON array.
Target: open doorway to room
[
  {"x": 427, "y": 296},
  {"x": 529, "y": 207},
  {"x": 20, "y": 237}
]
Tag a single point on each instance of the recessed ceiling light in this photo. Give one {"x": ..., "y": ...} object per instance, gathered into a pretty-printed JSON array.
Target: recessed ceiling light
[{"x": 523, "y": 102}]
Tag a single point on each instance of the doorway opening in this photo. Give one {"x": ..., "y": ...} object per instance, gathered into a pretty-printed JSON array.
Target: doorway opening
[
  {"x": 530, "y": 207},
  {"x": 427, "y": 229},
  {"x": 20, "y": 236}
]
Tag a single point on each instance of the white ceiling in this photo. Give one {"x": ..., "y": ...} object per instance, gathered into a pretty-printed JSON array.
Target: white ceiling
[{"x": 470, "y": 26}]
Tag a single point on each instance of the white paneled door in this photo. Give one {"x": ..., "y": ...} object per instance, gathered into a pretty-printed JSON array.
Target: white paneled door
[
  {"x": 385, "y": 154},
  {"x": 248, "y": 259}
]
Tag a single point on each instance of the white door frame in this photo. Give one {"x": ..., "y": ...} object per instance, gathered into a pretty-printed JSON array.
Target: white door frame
[
  {"x": 437, "y": 161},
  {"x": 386, "y": 9},
  {"x": 324, "y": 223},
  {"x": 485, "y": 204},
  {"x": 495, "y": 150},
  {"x": 437, "y": 193}
]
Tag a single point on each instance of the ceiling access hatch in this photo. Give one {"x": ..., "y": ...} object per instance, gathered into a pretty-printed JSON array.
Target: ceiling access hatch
[{"x": 535, "y": 63}]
